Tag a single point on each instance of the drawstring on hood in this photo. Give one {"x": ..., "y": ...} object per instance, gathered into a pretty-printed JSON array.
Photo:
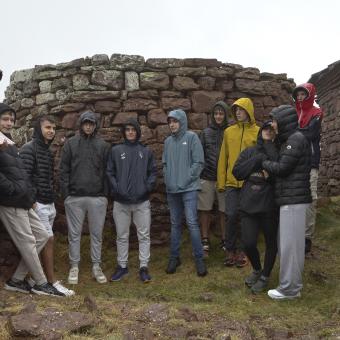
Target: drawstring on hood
[
  {"x": 181, "y": 116},
  {"x": 226, "y": 109},
  {"x": 133, "y": 122}
]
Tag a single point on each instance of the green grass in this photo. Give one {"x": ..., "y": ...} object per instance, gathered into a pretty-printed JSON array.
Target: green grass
[{"x": 121, "y": 303}]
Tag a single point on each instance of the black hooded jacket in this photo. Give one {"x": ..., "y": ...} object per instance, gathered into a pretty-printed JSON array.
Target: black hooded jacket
[
  {"x": 211, "y": 139},
  {"x": 292, "y": 169},
  {"x": 83, "y": 163},
  {"x": 38, "y": 160},
  {"x": 15, "y": 188},
  {"x": 131, "y": 169},
  {"x": 257, "y": 193}
]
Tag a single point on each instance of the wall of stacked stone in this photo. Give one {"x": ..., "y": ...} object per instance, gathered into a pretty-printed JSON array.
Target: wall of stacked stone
[
  {"x": 327, "y": 83},
  {"x": 128, "y": 86}
]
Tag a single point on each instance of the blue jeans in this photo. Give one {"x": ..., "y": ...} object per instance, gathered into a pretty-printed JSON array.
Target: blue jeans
[{"x": 184, "y": 202}]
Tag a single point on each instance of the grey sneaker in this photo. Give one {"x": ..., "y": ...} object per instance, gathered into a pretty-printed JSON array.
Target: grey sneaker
[
  {"x": 73, "y": 276},
  {"x": 260, "y": 285},
  {"x": 98, "y": 274},
  {"x": 252, "y": 278}
]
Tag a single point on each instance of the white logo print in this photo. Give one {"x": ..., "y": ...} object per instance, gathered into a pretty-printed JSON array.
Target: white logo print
[
  {"x": 184, "y": 143},
  {"x": 140, "y": 154},
  {"x": 289, "y": 147},
  {"x": 122, "y": 155}
]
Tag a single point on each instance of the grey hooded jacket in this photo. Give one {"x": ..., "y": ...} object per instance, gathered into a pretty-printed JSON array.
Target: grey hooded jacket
[{"x": 183, "y": 158}]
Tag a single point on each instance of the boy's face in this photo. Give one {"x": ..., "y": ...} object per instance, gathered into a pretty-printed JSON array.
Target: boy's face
[
  {"x": 241, "y": 115},
  {"x": 173, "y": 125},
  {"x": 7, "y": 122},
  {"x": 219, "y": 115},
  {"x": 88, "y": 127},
  {"x": 130, "y": 133},
  {"x": 301, "y": 95},
  {"x": 268, "y": 133},
  {"x": 48, "y": 130}
]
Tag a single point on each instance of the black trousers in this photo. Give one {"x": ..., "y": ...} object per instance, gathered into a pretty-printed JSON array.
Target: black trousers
[
  {"x": 251, "y": 225},
  {"x": 232, "y": 227}
]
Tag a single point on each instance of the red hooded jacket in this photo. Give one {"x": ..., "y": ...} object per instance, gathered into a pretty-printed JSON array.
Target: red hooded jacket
[{"x": 306, "y": 109}]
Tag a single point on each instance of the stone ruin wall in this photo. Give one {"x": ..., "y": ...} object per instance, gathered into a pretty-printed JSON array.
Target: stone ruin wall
[
  {"x": 327, "y": 83},
  {"x": 128, "y": 86}
]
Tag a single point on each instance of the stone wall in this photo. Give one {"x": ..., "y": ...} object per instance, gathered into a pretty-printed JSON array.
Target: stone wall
[
  {"x": 128, "y": 86},
  {"x": 327, "y": 83}
]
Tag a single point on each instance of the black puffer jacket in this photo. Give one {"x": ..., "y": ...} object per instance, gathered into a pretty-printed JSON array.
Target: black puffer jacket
[
  {"x": 292, "y": 169},
  {"x": 83, "y": 163},
  {"x": 211, "y": 139},
  {"x": 257, "y": 192},
  {"x": 38, "y": 160},
  {"x": 15, "y": 188},
  {"x": 131, "y": 169}
]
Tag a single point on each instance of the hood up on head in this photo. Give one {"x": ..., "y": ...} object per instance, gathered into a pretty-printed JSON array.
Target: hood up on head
[
  {"x": 88, "y": 116},
  {"x": 246, "y": 104},
  {"x": 37, "y": 132},
  {"x": 133, "y": 122},
  {"x": 181, "y": 116},
  {"x": 226, "y": 109}
]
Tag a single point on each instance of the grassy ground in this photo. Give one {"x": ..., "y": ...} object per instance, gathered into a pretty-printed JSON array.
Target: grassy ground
[{"x": 212, "y": 307}]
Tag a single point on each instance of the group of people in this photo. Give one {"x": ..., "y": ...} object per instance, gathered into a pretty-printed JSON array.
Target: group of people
[{"x": 263, "y": 177}]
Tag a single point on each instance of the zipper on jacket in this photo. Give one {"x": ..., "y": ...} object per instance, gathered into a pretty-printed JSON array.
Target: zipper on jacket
[{"x": 241, "y": 147}]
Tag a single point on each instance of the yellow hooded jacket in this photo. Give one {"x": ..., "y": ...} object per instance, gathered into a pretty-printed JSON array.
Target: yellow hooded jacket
[{"x": 236, "y": 138}]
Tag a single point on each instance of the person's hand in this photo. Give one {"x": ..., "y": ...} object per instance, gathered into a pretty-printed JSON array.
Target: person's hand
[
  {"x": 265, "y": 174},
  {"x": 3, "y": 145},
  {"x": 34, "y": 205}
]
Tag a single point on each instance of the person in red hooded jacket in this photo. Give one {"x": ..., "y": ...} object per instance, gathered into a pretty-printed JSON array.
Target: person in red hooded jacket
[{"x": 310, "y": 117}]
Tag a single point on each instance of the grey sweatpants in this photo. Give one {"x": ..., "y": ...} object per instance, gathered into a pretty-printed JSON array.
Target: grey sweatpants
[
  {"x": 141, "y": 216},
  {"x": 76, "y": 208},
  {"x": 292, "y": 247},
  {"x": 30, "y": 236}
]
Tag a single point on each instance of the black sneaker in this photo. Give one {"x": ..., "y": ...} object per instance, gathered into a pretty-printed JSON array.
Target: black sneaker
[
  {"x": 200, "y": 267},
  {"x": 308, "y": 246},
  {"x": 252, "y": 278},
  {"x": 144, "y": 275},
  {"x": 46, "y": 289},
  {"x": 260, "y": 285},
  {"x": 174, "y": 262},
  {"x": 18, "y": 286}
]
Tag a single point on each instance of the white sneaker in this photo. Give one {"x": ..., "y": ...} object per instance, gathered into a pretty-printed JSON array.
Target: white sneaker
[
  {"x": 58, "y": 286},
  {"x": 276, "y": 295},
  {"x": 31, "y": 282},
  {"x": 73, "y": 276},
  {"x": 98, "y": 274}
]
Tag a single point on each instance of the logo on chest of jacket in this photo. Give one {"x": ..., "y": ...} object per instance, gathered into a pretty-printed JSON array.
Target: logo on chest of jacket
[
  {"x": 140, "y": 154},
  {"x": 184, "y": 143},
  {"x": 122, "y": 155},
  {"x": 289, "y": 147}
]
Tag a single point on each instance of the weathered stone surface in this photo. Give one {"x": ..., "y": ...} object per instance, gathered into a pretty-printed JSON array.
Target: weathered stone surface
[
  {"x": 225, "y": 85},
  {"x": 131, "y": 81},
  {"x": 250, "y": 86},
  {"x": 80, "y": 82},
  {"x": 176, "y": 103},
  {"x": 197, "y": 121},
  {"x": 100, "y": 59},
  {"x": 147, "y": 94},
  {"x": 184, "y": 83},
  {"x": 202, "y": 101},
  {"x": 162, "y": 131},
  {"x": 206, "y": 83},
  {"x": 62, "y": 83},
  {"x": 156, "y": 313},
  {"x": 30, "y": 88},
  {"x": 70, "y": 120},
  {"x": 157, "y": 117},
  {"x": 271, "y": 88},
  {"x": 69, "y": 107},
  {"x": 71, "y": 64},
  {"x": 122, "y": 117},
  {"x": 39, "y": 110},
  {"x": 47, "y": 75},
  {"x": 195, "y": 62},
  {"x": 187, "y": 71},
  {"x": 46, "y": 67},
  {"x": 45, "y": 98},
  {"x": 164, "y": 62},
  {"x": 89, "y": 96},
  {"x": 146, "y": 134},
  {"x": 62, "y": 96},
  {"x": 45, "y": 86},
  {"x": 249, "y": 73},
  {"x": 154, "y": 80},
  {"x": 110, "y": 78},
  {"x": 37, "y": 324},
  {"x": 90, "y": 303},
  {"x": 27, "y": 103},
  {"x": 127, "y": 62},
  {"x": 171, "y": 94},
  {"x": 23, "y": 75},
  {"x": 107, "y": 106},
  {"x": 139, "y": 104},
  {"x": 220, "y": 72}
]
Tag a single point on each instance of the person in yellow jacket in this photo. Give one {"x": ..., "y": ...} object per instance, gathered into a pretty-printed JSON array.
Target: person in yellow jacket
[{"x": 237, "y": 137}]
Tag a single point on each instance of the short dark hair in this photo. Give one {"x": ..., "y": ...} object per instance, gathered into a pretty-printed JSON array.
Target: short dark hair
[{"x": 47, "y": 118}]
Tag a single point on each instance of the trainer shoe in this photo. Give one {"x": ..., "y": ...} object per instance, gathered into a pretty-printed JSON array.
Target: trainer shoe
[
  {"x": 98, "y": 274},
  {"x": 252, "y": 278},
  {"x": 73, "y": 276},
  {"x": 119, "y": 273},
  {"x": 201, "y": 267},
  {"x": 222, "y": 245},
  {"x": 21, "y": 286},
  {"x": 230, "y": 259},
  {"x": 46, "y": 289},
  {"x": 62, "y": 289},
  {"x": 173, "y": 263},
  {"x": 144, "y": 275},
  {"x": 276, "y": 295},
  {"x": 260, "y": 285},
  {"x": 241, "y": 260}
]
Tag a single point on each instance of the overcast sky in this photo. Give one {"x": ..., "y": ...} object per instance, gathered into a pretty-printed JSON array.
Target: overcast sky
[{"x": 294, "y": 37}]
